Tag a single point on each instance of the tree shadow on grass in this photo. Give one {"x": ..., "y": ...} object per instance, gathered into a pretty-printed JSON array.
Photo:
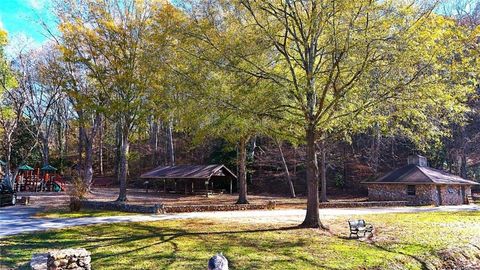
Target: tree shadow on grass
[
  {"x": 169, "y": 237},
  {"x": 20, "y": 248},
  {"x": 370, "y": 242},
  {"x": 422, "y": 262}
]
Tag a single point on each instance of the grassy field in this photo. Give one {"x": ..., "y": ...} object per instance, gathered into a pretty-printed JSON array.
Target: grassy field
[{"x": 402, "y": 241}]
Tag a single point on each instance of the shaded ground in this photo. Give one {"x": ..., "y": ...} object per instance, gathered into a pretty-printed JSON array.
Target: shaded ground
[{"x": 401, "y": 241}]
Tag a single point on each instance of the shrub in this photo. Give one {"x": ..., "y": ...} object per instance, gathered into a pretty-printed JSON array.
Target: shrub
[{"x": 78, "y": 191}]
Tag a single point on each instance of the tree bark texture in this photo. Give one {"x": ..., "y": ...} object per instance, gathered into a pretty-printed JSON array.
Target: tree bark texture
[
  {"x": 242, "y": 171},
  {"x": 123, "y": 165},
  {"x": 312, "y": 217},
  {"x": 323, "y": 172},
  {"x": 171, "y": 148}
]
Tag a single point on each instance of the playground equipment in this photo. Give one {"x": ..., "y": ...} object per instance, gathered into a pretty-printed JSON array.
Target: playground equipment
[{"x": 40, "y": 179}]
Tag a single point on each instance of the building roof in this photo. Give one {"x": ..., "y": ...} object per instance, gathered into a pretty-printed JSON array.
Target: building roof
[
  {"x": 48, "y": 167},
  {"x": 188, "y": 172},
  {"x": 413, "y": 174},
  {"x": 25, "y": 167}
]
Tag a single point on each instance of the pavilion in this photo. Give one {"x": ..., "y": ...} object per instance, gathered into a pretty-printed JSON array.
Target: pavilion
[{"x": 192, "y": 176}]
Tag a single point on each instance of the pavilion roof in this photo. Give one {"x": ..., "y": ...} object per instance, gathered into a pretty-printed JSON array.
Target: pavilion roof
[{"x": 189, "y": 172}]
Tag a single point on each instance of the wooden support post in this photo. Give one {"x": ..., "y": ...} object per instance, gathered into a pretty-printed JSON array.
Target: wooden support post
[
  {"x": 192, "y": 187},
  {"x": 206, "y": 187},
  {"x": 164, "y": 186},
  {"x": 231, "y": 185}
]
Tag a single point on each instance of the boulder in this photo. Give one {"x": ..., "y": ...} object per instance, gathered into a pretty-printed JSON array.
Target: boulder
[{"x": 218, "y": 262}]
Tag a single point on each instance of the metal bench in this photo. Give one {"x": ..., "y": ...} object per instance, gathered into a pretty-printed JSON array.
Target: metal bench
[{"x": 358, "y": 227}]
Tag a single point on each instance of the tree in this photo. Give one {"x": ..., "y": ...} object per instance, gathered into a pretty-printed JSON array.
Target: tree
[
  {"x": 223, "y": 102},
  {"x": 43, "y": 92},
  {"x": 87, "y": 102},
  {"x": 116, "y": 42},
  {"x": 323, "y": 57},
  {"x": 26, "y": 106},
  {"x": 8, "y": 118},
  {"x": 234, "y": 114}
]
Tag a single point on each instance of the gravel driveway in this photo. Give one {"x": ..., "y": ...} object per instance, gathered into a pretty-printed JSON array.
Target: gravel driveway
[{"x": 20, "y": 219}]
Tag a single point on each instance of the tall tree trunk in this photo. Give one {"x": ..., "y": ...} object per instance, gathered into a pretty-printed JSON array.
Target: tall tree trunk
[
  {"x": 45, "y": 149},
  {"x": 171, "y": 148},
  {"x": 8, "y": 162},
  {"x": 100, "y": 146},
  {"x": 61, "y": 143},
  {"x": 344, "y": 172},
  {"x": 375, "y": 149},
  {"x": 88, "y": 166},
  {"x": 89, "y": 137},
  {"x": 312, "y": 217},
  {"x": 463, "y": 154},
  {"x": 463, "y": 164},
  {"x": 242, "y": 171},
  {"x": 287, "y": 172},
  {"x": 154, "y": 128},
  {"x": 323, "y": 172},
  {"x": 123, "y": 165},
  {"x": 252, "y": 148},
  {"x": 118, "y": 143},
  {"x": 81, "y": 145}
]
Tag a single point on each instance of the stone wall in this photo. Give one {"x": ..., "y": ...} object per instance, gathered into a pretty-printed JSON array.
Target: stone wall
[
  {"x": 452, "y": 194},
  {"x": 162, "y": 209},
  {"x": 362, "y": 204},
  {"x": 123, "y": 207},
  {"x": 424, "y": 194},
  {"x": 221, "y": 207},
  {"x": 71, "y": 259}
]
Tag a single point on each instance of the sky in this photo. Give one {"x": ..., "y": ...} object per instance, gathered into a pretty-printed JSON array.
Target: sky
[{"x": 22, "y": 17}]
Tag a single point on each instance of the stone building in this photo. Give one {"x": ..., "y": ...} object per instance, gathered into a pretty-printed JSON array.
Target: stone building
[{"x": 420, "y": 185}]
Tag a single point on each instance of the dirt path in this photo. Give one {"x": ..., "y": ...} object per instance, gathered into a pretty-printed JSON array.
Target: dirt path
[{"x": 20, "y": 219}]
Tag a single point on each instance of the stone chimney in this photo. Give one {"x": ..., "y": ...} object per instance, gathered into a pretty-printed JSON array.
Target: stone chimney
[{"x": 418, "y": 160}]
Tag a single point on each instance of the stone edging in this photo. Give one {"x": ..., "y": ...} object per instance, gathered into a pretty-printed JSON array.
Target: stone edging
[
  {"x": 162, "y": 209},
  {"x": 363, "y": 204}
]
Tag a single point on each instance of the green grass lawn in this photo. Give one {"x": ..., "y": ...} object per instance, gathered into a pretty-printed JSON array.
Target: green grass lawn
[
  {"x": 66, "y": 213},
  {"x": 402, "y": 241}
]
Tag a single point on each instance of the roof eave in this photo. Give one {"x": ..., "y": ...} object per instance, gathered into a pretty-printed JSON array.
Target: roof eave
[
  {"x": 179, "y": 177},
  {"x": 419, "y": 183}
]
